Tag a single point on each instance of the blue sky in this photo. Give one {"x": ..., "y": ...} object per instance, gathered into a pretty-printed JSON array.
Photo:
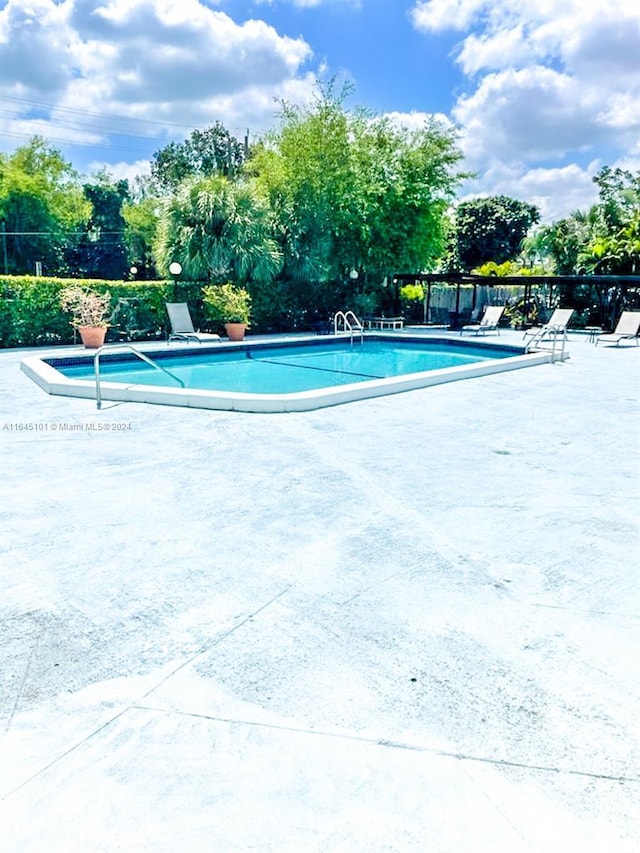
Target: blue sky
[{"x": 543, "y": 92}]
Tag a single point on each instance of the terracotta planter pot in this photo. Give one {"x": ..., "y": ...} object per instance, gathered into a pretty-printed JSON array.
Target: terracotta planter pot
[
  {"x": 235, "y": 331},
  {"x": 92, "y": 336}
]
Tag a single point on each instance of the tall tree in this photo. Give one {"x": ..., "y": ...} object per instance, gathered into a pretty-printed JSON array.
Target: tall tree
[
  {"x": 619, "y": 196},
  {"x": 614, "y": 247},
  {"x": 209, "y": 152},
  {"x": 141, "y": 224},
  {"x": 41, "y": 206},
  {"x": 491, "y": 229},
  {"x": 102, "y": 253},
  {"x": 218, "y": 230},
  {"x": 351, "y": 191}
]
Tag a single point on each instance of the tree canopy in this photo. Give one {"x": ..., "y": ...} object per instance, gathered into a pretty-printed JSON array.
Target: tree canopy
[
  {"x": 218, "y": 229},
  {"x": 213, "y": 151},
  {"x": 41, "y": 205},
  {"x": 353, "y": 192},
  {"x": 604, "y": 240},
  {"x": 491, "y": 229}
]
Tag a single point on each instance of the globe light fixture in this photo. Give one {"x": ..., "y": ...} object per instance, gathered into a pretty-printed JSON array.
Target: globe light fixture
[{"x": 175, "y": 269}]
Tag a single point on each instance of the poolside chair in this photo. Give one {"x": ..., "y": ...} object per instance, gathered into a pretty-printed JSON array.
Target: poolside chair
[
  {"x": 182, "y": 325},
  {"x": 557, "y": 322},
  {"x": 626, "y": 330},
  {"x": 489, "y": 322}
]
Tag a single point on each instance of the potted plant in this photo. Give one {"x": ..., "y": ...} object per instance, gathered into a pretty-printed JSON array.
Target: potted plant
[
  {"x": 230, "y": 306},
  {"x": 90, "y": 311}
]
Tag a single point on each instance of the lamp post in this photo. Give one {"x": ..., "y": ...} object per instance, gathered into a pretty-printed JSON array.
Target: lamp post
[
  {"x": 133, "y": 271},
  {"x": 353, "y": 277},
  {"x": 175, "y": 269}
]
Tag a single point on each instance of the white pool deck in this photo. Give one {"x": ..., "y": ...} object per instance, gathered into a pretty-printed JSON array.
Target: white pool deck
[{"x": 410, "y": 623}]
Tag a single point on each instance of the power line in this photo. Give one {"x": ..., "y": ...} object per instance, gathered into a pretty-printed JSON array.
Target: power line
[
  {"x": 95, "y": 114},
  {"x": 75, "y": 142},
  {"x": 110, "y": 116}
]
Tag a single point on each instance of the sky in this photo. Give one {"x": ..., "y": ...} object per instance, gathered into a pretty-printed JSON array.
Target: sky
[{"x": 543, "y": 93}]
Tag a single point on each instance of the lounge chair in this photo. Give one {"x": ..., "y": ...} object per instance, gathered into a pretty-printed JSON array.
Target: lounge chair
[
  {"x": 182, "y": 325},
  {"x": 557, "y": 322},
  {"x": 489, "y": 322},
  {"x": 626, "y": 330}
]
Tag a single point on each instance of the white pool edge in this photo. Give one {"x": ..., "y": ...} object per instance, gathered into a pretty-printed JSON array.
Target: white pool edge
[{"x": 55, "y": 383}]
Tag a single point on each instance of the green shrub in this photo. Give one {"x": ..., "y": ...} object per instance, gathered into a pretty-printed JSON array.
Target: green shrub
[
  {"x": 227, "y": 303},
  {"x": 31, "y": 314}
]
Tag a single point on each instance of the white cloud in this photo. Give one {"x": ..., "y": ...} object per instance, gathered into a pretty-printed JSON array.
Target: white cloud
[
  {"x": 416, "y": 120},
  {"x": 550, "y": 81},
  {"x": 122, "y": 170},
  {"x": 177, "y": 62},
  {"x": 439, "y": 15},
  {"x": 532, "y": 114},
  {"x": 556, "y": 192}
]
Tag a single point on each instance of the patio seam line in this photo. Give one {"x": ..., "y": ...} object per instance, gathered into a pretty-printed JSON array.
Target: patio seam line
[
  {"x": 23, "y": 682},
  {"x": 392, "y": 744},
  {"x": 208, "y": 646},
  {"x": 205, "y": 648}
]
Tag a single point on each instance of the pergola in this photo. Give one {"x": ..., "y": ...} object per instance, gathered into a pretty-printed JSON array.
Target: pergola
[{"x": 528, "y": 283}]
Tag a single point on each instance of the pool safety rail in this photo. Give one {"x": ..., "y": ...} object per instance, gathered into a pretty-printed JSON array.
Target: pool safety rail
[
  {"x": 556, "y": 336},
  {"x": 141, "y": 355},
  {"x": 346, "y": 323}
]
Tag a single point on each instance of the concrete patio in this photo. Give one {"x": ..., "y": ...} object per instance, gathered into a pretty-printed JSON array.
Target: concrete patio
[{"x": 403, "y": 624}]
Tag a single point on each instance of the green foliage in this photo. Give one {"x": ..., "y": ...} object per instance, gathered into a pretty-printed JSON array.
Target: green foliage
[
  {"x": 508, "y": 268},
  {"x": 412, "y": 292},
  {"x": 353, "y": 191},
  {"x": 209, "y": 152},
  {"x": 87, "y": 307},
  {"x": 141, "y": 226},
  {"x": 41, "y": 204},
  {"x": 491, "y": 229},
  {"x": 365, "y": 305},
  {"x": 619, "y": 195},
  {"x": 101, "y": 251},
  {"x": 604, "y": 240},
  {"x": 31, "y": 313},
  {"x": 218, "y": 230},
  {"x": 225, "y": 303}
]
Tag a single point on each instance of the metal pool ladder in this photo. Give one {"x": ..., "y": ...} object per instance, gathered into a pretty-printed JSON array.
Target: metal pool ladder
[
  {"x": 346, "y": 323},
  {"x": 96, "y": 367},
  {"x": 553, "y": 333}
]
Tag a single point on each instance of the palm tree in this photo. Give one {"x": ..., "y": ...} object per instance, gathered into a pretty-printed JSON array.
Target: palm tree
[{"x": 218, "y": 230}]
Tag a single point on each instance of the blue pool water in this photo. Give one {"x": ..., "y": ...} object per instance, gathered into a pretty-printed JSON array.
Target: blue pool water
[{"x": 287, "y": 369}]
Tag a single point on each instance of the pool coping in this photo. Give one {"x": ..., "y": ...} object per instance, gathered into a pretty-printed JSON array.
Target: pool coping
[{"x": 53, "y": 382}]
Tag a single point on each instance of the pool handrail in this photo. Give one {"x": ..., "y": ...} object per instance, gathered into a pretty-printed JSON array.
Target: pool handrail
[
  {"x": 350, "y": 324},
  {"x": 544, "y": 333},
  {"x": 96, "y": 367}
]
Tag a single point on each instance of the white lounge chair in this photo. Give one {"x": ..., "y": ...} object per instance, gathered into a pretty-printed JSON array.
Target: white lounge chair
[
  {"x": 557, "y": 322},
  {"x": 489, "y": 322},
  {"x": 182, "y": 328},
  {"x": 626, "y": 330}
]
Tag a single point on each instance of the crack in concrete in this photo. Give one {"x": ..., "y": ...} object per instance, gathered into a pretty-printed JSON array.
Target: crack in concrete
[
  {"x": 133, "y": 705},
  {"x": 392, "y": 744}
]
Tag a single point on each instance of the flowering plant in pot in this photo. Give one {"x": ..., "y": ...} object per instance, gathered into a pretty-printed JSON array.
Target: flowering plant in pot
[
  {"x": 228, "y": 305},
  {"x": 91, "y": 312}
]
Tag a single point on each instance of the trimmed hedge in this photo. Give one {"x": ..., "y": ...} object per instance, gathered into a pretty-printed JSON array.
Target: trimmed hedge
[{"x": 30, "y": 312}]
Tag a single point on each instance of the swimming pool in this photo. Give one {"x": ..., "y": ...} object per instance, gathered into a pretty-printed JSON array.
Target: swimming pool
[{"x": 293, "y": 375}]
